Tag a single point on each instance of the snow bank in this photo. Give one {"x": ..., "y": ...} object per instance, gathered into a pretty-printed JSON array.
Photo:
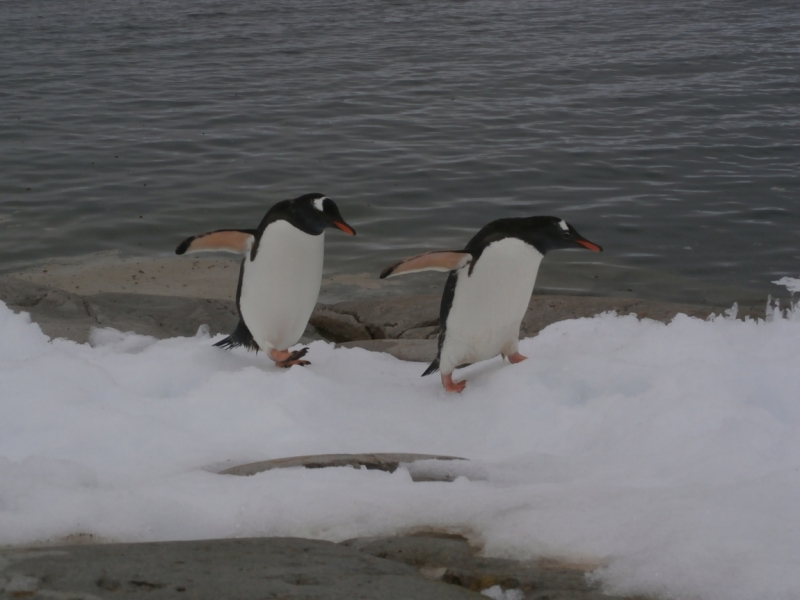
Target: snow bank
[{"x": 668, "y": 452}]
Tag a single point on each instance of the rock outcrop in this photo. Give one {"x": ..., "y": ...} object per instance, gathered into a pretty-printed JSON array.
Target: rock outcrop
[{"x": 405, "y": 326}]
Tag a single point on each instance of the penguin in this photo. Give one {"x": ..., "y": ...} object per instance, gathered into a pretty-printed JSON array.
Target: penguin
[
  {"x": 489, "y": 288},
  {"x": 280, "y": 275}
]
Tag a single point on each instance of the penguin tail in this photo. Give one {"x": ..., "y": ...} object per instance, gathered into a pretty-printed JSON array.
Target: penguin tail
[
  {"x": 241, "y": 336},
  {"x": 432, "y": 368}
]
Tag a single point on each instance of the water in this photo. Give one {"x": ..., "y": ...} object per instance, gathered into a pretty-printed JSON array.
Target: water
[{"x": 667, "y": 132}]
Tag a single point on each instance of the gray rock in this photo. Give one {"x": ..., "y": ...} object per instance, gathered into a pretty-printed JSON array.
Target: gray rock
[
  {"x": 63, "y": 314},
  {"x": 416, "y": 317},
  {"x": 424, "y": 566},
  {"x": 406, "y": 328},
  {"x": 162, "y": 316},
  {"x": 58, "y": 313},
  {"x": 379, "y": 461},
  {"x": 390, "y": 317},
  {"x": 421, "y": 333},
  {"x": 412, "y": 350},
  {"x": 338, "y": 326},
  {"x": 18, "y": 292},
  {"x": 239, "y": 569},
  {"x": 403, "y": 326},
  {"x": 450, "y": 558}
]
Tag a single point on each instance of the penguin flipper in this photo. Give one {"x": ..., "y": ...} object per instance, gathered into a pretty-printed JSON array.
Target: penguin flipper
[
  {"x": 442, "y": 260},
  {"x": 241, "y": 336},
  {"x": 432, "y": 368},
  {"x": 238, "y": 241}
]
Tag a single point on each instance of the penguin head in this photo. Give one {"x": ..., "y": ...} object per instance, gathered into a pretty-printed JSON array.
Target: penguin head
[
  {"x": 313, "y": 213},
  {"x": 552, "y": 233}
]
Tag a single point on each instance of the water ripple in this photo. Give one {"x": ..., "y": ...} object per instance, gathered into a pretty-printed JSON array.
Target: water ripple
[{"x": 651, "y": 126}]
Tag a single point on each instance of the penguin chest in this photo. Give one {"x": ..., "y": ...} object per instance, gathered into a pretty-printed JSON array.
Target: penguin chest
[
  {"x": 489, "y": 304},
  {"x": 281, "y": 285}
]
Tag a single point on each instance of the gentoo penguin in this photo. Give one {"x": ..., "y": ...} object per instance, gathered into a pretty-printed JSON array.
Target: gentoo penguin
[
  {"x": 488, "y": 289},
  {"x": 280, "y": 276}
]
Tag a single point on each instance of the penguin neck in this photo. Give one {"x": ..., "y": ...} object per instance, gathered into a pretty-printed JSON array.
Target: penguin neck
[
  {"x": 281, "y": 232},
  {"x": 510, "y": 255}
]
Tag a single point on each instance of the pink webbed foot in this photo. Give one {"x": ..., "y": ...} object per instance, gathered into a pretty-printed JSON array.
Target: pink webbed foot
[
  {"x": 285, "y": 359},
  {"x": 516, "y": 358},
  {"x": 450, "y": 386}
]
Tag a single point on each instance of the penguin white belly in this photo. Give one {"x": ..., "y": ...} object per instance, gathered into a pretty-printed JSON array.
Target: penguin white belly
[
  {"x": 488, "y": 305},
  {"x": 280, "y": 287}
]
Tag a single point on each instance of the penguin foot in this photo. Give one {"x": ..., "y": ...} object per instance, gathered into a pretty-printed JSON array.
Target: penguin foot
[
  {"x": 449, "y": 386},
  {"x": 285, "y": 359},
  {"x": 516, "y": 358},
  {"x": 291, "y": 363}
]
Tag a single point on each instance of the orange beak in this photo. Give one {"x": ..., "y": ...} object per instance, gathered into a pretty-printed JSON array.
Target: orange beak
[
  {"x": 589, "y": 245},
  {"x": 345, "y": 227}
]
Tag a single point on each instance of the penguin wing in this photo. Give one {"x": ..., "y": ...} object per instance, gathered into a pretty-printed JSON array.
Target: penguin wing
[
  {"x": 443, "y": 260},
  {"x": 238, "y": 241}
]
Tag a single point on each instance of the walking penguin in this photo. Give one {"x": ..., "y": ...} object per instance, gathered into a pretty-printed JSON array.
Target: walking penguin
[
  {"x": 488, "y": 289},
  {"x": 280, "y": 276}
]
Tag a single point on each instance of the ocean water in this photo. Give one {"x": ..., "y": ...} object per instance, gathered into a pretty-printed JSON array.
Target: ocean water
[{"x": 667, "y": 132}]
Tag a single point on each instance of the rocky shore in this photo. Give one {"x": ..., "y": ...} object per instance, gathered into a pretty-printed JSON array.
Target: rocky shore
[
  {"x": 419, "y": 566},
  {"x": 403, "y": 326}
]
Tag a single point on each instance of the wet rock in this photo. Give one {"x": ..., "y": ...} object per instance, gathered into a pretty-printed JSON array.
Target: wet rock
[{"x": 379, "y": 461}]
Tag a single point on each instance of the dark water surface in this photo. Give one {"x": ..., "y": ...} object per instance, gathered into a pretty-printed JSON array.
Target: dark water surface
[{"x": 668, "y": 132}]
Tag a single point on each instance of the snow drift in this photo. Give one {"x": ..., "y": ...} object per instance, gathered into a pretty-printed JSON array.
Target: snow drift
[{"x": 668, "y": 453}]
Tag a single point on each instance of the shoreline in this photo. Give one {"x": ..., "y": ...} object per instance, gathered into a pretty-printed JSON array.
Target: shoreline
[
  {"x": 172, "y": 296},
  {"x": 405, "y": 326},
  {"x": 215, "y": 276}
]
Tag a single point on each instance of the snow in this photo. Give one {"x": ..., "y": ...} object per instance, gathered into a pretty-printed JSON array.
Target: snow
[
  {"x": 790, "y": 283},
  {"x": 497, "y": 593},
  {"x": 670, "y": 454}
]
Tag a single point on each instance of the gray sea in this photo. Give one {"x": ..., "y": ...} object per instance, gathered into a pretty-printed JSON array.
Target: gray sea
[{"x": 666, "y": 131}]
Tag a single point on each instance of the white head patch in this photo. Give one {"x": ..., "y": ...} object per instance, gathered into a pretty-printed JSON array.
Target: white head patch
[
  {"x": 318, "y": 203},
  {"x": 563, "y": 225}
]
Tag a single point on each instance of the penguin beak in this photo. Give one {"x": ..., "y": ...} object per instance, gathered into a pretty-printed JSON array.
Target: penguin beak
[
  {"x": 588, "y": 245},
  {"x": 344, "y": 227}
]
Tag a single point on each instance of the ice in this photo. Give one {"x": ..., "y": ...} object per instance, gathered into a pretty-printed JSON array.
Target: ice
[{"x": 667, "y": 454}]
